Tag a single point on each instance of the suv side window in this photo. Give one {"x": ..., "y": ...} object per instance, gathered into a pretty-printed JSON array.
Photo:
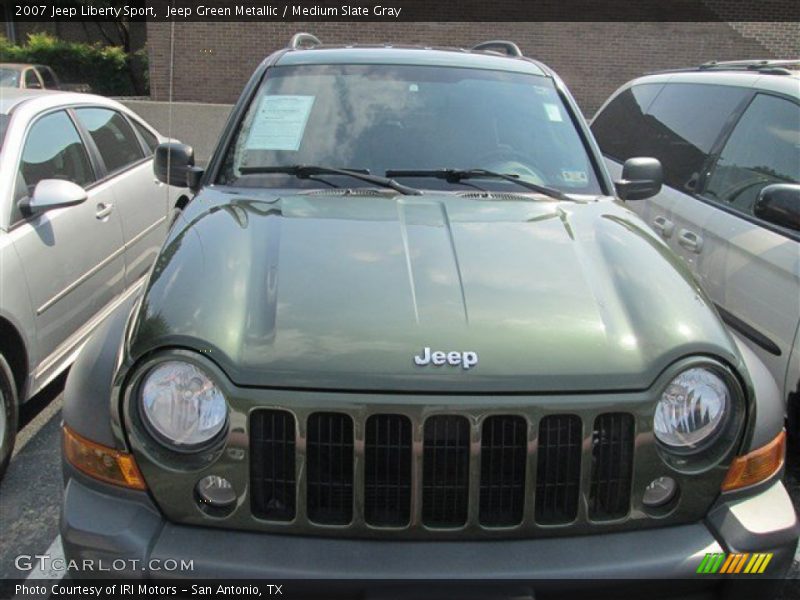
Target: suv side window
[
  {"x": 763, "y": 149},
  {"x": 619, "y": 127},
  {"x": 115, "y": 140},
  {"x": 53, "y": 150},
  {"x": 679, "y": 127}
]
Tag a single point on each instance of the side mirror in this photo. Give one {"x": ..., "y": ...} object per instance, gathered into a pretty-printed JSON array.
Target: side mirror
[
  {"x": 174, "y": 165},
  {"x": 779, "y": 204},
  {"x": 50, "y": 194},
  {"x": 641, "y": 178}
]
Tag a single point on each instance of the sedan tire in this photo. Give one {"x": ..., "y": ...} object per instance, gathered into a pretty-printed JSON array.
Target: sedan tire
[{"x": 8, "y": 415}]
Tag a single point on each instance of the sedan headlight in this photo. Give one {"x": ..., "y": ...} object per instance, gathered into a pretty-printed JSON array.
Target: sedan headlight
[
  {"x": 692, "y": 410},
  {"x": 182, "y": 406}
]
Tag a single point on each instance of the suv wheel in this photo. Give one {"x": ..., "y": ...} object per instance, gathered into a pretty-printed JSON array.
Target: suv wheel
[{"x": 8, "y": 415}]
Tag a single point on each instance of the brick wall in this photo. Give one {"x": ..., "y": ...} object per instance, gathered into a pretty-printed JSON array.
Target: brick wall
[
  {"x": 757, "y": 20},
  {"x": 781, "y": 39},
  {"x": 212, "y": 61}
]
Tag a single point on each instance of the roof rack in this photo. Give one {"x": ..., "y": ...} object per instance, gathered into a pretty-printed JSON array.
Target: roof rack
[
  {"x": 510, "y": 48},
  {"x": 304, "y": 40},
  {"x": 749, "y": 64},
  {"x": 766, "y": 67},
  {"x": 775, "y": 67}
]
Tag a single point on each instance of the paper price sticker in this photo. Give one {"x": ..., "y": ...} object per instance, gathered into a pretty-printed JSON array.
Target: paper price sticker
[
  {"x": 553, "y": 112},
  {"x": 279, "y": 123}
]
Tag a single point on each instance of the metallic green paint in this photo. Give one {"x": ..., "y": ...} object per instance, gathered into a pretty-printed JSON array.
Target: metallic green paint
[{"x": 340, "y": 292}]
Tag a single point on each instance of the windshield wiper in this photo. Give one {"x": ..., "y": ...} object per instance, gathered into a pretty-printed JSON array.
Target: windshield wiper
[
  {"x": 308, "y": 171},
  {"x": 457, "y": 175}
]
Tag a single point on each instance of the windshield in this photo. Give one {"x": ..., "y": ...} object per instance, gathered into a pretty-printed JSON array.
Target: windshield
[
  {"x": 9, "y": 78},
  {"x": 379, "y": 118}
]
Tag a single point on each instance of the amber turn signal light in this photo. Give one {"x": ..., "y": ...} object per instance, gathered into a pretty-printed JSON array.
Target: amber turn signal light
[
  {"x": 101, "y": 462},
  {"x": 758, "y": 465}
]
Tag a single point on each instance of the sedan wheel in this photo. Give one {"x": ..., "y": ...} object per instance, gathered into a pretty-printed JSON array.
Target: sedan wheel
[{"x": 8, "y": 415}]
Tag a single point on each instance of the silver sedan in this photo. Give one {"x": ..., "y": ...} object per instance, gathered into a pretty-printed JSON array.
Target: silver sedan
[{"x": 81, "y": 220}]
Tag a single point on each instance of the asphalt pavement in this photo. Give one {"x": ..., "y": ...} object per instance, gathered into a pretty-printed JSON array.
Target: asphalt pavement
[{"x": 30, "y": 494}]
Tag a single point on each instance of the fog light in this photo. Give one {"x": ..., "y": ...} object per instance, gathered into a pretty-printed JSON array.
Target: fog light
[
  {"x": 216, "y": 491},
  {"x": 659, "y": 492}
]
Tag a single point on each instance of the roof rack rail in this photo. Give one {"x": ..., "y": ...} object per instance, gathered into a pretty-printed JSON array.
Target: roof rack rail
[
  {"x": 511, "y": 49},
  {"x": 762, "y": 67},
  {"x": 304, "y": 40},
  {"x": 749, "y": 64},
  {"x": 775, "y": 67}
]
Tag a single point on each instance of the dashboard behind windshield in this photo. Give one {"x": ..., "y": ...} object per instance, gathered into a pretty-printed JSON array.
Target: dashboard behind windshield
[{"x": 388, "y": 117}]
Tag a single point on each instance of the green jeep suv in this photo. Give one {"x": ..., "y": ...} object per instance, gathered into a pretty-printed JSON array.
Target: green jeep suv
[{"x": 408, "y": 329}]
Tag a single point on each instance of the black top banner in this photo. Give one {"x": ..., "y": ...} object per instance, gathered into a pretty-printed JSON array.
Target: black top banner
[{"x": 402, "y": 10}]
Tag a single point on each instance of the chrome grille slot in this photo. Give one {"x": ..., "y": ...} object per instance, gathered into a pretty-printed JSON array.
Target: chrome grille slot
[
  {"x": 503, "y": 460},
  {"x": 329, "y": 458},
  {"x": 558, "y": 469},
  {"x": 272, "y": 465},
  {"x": 387, "y": 470},
  {"x": 445, "y": 471},
  {"x": 612, "y": 466}
]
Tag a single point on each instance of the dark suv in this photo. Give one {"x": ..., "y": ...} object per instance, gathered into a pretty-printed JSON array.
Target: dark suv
[{"x": 405, "y": 330}]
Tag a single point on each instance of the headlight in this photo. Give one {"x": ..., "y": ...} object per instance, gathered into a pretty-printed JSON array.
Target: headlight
[
  {"x": 692, "y": 409},
  {"x": 182, "y": 405}
]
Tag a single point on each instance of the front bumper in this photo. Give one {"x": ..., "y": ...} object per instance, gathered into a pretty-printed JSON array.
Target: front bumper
[{"x": 111, "y": 526}]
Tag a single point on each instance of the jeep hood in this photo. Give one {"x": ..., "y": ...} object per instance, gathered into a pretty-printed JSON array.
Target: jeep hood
[{"x": 326, "y": 291}]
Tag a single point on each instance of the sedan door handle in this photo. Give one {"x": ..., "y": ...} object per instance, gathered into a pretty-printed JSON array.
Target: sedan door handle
[
  {"x": 690, "y": 240},
  {"x": 103, "y": 210},
  {"x": 663, "y": 226}
]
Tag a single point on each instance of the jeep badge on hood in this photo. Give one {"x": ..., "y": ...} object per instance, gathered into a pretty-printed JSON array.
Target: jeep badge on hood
[{"x": 438, "y": 358}]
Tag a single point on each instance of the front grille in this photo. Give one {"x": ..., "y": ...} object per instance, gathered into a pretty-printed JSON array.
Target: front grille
[
  {"x": 612, "y": 466},
  {"x": 558, "y": 470},
  {"x": 455, "y": 474},
  {"x": 445, "y": 471},
  {"x": 387, "y": 470},
  {"x": 330, "y": 468},
  {"x": 272, "y": 465},
  {"x": 503, "y": 456}
]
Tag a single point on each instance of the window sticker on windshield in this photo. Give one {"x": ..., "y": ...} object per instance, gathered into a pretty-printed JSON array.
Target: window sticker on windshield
[
  {"x": 553, "y": 112},
  {"x": 279, "y": 123},
  {"x": 578, "y": 178}
]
